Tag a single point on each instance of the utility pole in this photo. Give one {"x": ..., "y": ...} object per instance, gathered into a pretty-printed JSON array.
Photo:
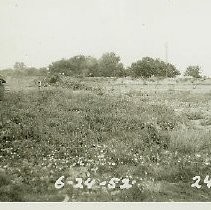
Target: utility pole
[
  {"x": 166, "y": 51},
  {"x": 166, "y": 57}
]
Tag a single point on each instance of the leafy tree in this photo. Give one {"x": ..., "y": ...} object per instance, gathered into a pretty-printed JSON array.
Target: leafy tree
[
  {"x": 92, "y": 67},
  {"x": 148, "y": 67},
  {"x": 172, "y": 71},
  {"x": 75, "y": 66},
  {"x": 193, "y": 71},
  {"x": 110, "y": 65},
  {"x": 61, "y": 66},
  {"x": 143, "y": 68}
]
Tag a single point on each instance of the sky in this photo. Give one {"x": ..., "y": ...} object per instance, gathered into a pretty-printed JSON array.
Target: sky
[{"x": 38, "y": 32}]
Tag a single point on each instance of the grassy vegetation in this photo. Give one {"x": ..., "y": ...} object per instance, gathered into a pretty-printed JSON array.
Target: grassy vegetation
[{"x": 88, "y": 127}]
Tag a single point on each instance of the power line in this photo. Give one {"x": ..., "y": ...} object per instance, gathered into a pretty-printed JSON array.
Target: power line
[{"x": 166, "y": 57}]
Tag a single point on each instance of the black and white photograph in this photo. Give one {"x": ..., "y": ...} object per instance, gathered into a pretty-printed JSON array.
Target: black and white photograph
[{"x": 105, "y": 101}]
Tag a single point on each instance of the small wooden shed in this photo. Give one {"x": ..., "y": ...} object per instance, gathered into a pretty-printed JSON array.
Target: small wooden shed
[{"x": 2, "y": 81}]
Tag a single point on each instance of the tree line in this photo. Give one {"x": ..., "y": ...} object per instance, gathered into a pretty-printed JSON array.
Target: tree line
[{"x": 108, "y": 65}]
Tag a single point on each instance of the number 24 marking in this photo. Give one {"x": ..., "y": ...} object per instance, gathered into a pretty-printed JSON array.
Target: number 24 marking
[{"x": 198, "y": 178}]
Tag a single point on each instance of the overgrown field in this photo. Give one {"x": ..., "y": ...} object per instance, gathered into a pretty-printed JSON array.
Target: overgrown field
[{"x": 81, "y": 128}]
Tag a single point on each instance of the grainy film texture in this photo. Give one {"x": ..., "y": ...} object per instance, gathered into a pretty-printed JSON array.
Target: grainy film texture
[{"x": 105, "y": 100}]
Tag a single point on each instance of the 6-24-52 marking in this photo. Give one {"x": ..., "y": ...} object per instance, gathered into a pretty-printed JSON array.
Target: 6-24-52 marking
[{"x": 89, "y": 183}]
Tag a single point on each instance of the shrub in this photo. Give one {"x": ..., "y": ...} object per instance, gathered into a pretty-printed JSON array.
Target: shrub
[
  {"x": 54, "y": 79},
  {"x": 193, "y": 71}
]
